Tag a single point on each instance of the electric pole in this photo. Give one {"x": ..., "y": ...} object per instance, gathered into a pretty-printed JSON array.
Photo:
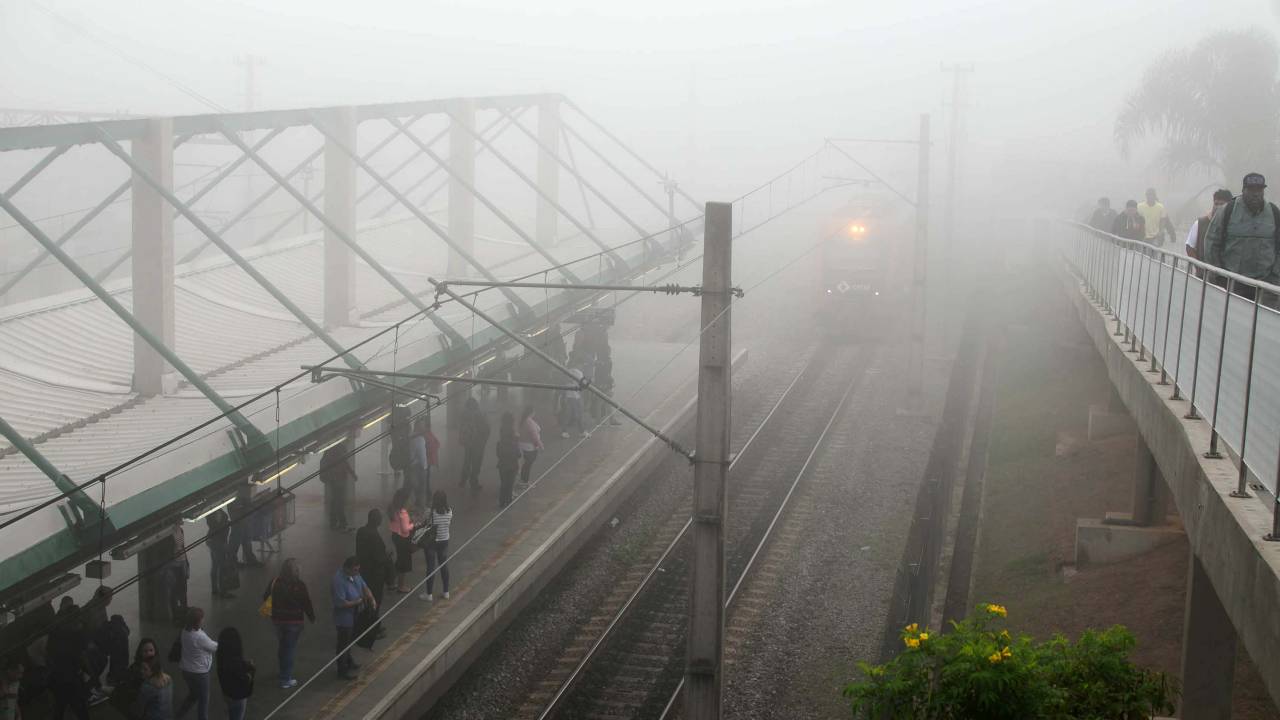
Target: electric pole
[
  {"x": 919, "y": 270},
  {"x": 959, "y": 73},
  {"x": 703, "y": 668}
]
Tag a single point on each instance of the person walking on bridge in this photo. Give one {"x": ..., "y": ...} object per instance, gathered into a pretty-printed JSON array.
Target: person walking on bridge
[
  {"x": 1129, "y": 224},
  {"x": 1200, "y": 228},
  {"x": 1103, "y": 216},
  {"x": 1244, "y": 235},
  {"x": 1155, "y": 220}
]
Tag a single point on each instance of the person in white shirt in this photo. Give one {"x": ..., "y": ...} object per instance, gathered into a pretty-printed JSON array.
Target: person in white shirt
[
  {"x": 573, "y": 407},
  {"x": 196, "y": 661},
  {"x": 437, "y": 550},
  {"x": 1195, "y": 238}
]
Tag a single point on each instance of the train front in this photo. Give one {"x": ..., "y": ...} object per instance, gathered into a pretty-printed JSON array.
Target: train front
[{"x": 855, "y": 280}]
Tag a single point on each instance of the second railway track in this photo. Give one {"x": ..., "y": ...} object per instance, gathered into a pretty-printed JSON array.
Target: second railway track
[{"x": 628, "y": 659}]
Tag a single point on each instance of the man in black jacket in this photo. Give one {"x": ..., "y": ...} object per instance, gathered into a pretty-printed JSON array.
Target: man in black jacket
[{"x": 1129, "y": 224}]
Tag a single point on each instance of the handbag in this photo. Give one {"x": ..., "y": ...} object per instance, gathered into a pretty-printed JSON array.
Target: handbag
[
  {"x": 265, "y": 608},
  {"x": 423, "y": 534},
  {"x": 365, "y": 619}
]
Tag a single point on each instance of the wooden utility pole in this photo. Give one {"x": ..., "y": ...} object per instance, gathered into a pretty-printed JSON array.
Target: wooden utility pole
[
  {"x": 703, "y": 676},
  {"x": 919, "y": 269}
]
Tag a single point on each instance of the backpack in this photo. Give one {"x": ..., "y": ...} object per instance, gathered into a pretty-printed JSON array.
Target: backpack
[
  {"x": 1226, "y": 220},
  {"x": 399, "y": 457}
]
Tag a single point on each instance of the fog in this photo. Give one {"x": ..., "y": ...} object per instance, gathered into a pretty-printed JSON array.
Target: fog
[{"x": 718, "y": 92}]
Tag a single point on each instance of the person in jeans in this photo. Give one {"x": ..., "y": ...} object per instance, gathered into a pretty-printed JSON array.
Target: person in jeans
[
  {"x": 336, "y": 474},
  {"x": 235, "y": 673},
  {"x": 474, "y": 437},
  {"x": 437, "y": 550},
  {"x": 508, "y": 451},
  {"x": 349, "y": 593},
  {"x": 529, "y": 440},
  {"x": 197, "y": 660},
  {"x": 289, "y": 603},
  {"x": 424, "y": 449},
  {"x": 219, "y": 533}
]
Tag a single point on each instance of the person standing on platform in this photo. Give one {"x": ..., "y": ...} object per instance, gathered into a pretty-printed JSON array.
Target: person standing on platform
[
  {"x": 242, "y": 529},
  {"x": 573, "y": 407},
  {"x": 349, "y": 592},
  {"x": 155, "y": 693},
  {"x": 508, "y": 451},
  {"x": 219, "y": 531},
  {"x": 474, "y": 438},
  {"x": 401, "y": 526},
  {"x": 336, "y": 474},
  {"x": 66, "y": 651},
  {"x": 197, "y": 660},
  {"x": 529, "y": 440},
  {"x": 423, "y": 446},
  {"x": 437, "y": 550},
  {"x": 175, "y": 578},
  {"x": 235, "y": 673},
  {"x": 290, "y": 601},
  {"x": 371, "y": 551}
]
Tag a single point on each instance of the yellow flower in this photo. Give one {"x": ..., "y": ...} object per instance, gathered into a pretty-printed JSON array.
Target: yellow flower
[
  {"x": 911, "y": 642},
  {"x": 924, "y": 636},
  {"x": 1004, "y": 635},
  {"x": 997, "y": 610},
  {"x": 912, "y": 628},
  {"x": 1006, "y": 652},
  {"x": 995, "y": 657}
]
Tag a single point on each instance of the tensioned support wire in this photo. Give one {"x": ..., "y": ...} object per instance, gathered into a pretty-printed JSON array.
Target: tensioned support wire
[{"x": 668, "y": 289}]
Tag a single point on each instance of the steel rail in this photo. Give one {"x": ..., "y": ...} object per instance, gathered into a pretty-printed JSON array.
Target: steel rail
[
  {"x": 768, "y": 532},
  {"x": 564, "y": 689}
]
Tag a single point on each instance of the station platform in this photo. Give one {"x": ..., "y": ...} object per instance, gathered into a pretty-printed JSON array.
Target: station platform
[{"x": 498, "y": 560}]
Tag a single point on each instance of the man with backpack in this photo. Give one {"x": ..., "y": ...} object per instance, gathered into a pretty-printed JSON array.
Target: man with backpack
[{"x": 1243, "y": 235}]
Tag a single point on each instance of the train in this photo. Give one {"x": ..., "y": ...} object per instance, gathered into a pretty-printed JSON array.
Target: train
[{"x": 858, "y": 278}]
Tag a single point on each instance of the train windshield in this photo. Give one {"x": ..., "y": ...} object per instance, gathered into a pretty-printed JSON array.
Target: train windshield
[{"x": 853, "y": 255}]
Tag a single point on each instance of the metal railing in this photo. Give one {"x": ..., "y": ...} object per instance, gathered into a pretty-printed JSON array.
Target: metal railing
[{"x": 1222, "y": 354}]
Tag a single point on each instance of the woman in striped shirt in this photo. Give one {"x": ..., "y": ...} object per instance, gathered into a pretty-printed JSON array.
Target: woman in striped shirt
[{"x": 437, "y": 550}]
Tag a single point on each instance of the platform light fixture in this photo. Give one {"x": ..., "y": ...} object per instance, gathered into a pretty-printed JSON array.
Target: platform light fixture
[
  {"x": 376, "y": 420},
  {"x": 268, "y": 479},
  {"x": 211, "y": 510}
]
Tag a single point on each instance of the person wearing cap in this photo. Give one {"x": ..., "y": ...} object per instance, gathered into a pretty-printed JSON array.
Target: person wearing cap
[
  {"x": 1103, "y": 216},
  {"x": 1200, "y": 228},
  {"x": 1155, "y": 219},
  {"x": 1242, "y": 236},
  {"x": 1129, "y": 224}
]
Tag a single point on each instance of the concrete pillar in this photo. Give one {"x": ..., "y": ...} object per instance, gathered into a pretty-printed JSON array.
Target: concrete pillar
[
  {"x": 462, "y": 204},
  {"x": 340, "y": 207},
  {"x": 1148, "y": 488},
  {"x": 548, "y": 170},
  {"x": 153, "y": 302},
  {"x": 1208, "y": 650}
]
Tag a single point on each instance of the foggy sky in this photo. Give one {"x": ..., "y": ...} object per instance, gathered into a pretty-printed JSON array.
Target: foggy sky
[{"x": 751, "y": 84}]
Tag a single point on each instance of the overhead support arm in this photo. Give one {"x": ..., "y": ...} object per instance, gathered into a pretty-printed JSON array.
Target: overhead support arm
[
  {"x": 432, "y": 173},
  {"x": 346, "y": 239},
  {"x": 568, "y": 129},
  {"x": 421, "y": 216},
  {"x": 426, "y": 149},
  {"x": 231, "y": 252},
  {"x": 587, "y": 386},
  {"x": 578, "y": 176},
  {"x": 191, "y": 376},
  {"x": 638, "y": 157},
  {"x": 84, "y": 508},
  {"x": 209, "y": 186},
  {"x": 869, "y": 171},
  {"x": 542, "y": 194}
]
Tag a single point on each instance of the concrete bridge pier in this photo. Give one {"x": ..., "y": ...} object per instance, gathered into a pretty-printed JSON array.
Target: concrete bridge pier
[{"x": 1208, "y": 650}]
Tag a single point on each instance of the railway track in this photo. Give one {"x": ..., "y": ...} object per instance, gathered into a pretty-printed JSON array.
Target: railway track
[{"x": 628, "y": 659}]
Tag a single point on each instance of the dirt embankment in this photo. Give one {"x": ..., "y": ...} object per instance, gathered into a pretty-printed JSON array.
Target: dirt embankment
[{"x": 1044, "y": 473}]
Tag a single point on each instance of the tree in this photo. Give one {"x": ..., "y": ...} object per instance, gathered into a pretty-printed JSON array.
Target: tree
[{"x": 1216, "y": 105}]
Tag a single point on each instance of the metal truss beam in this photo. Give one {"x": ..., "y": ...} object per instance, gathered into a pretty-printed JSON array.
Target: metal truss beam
[
  {"x": 418, "y": 213},
  {"x": 82, "y": 505},
  {"x": 170, "y": 356},
  {"x": 637, "y": 156},
  {"x": 319, "y": 194},
  {"x": 583, "y": 181},
  {"x": 231, "y": 252},
  {"x": 36, "y": 169},
  {"x": 432, "y": 173},
  {"x": 582, "y": 190},
  {"x": 343, "y": 236},
  {"x": 542, "y": 194},
  {"x": 569, "y": 130},
  {"x": 85, "y": 219},
  {"x": 584, "y": 385},
  {"x": 426, "y": 149},
  {"x": 320, "y": 373},
  {"x": 195, "y": 197},
  {"x": 671, "y": 289}
]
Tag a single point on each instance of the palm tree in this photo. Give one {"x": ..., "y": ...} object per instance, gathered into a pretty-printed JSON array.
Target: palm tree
[{"x": 1216, "y": 105}]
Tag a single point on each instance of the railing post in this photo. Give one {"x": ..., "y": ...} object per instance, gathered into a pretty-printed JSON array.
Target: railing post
[
  {"x": 1168, "y": 311},
  {"x": 1122, "y": 271},
  {"x": 1139, "y": 306},
  {"x": 153, "y": 299},
  {"x": 1182, "y": 323},
  {"x": 340, "y": 207},
  {"x": 1213, "y": 453},
  {"x": 1155, "y": 314},
  {"x": 1195, "y": 365},
  {"x": 1241, "y": 488}
]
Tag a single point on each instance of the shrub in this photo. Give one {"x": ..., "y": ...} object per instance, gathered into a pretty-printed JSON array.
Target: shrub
[{"x": 978, "y": 670}]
